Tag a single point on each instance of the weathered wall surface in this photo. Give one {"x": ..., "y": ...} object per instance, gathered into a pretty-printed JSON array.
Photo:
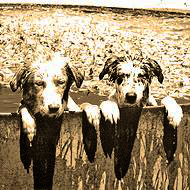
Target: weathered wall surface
[{"x": 152, "y": 165}]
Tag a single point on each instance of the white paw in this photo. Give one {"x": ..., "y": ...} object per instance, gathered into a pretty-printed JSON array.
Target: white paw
[
  {"x": 175, "y": 113},
  {"x": 151, "y": 101},
  {"x": 92, "y": 113},
  {"x": 29, "y": 125},
  {"x": 110, "y": 110}
]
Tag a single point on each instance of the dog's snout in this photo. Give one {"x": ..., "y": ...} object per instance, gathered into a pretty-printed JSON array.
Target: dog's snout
[
  {"x": 131, "y": 97},
  {"x": 53, "y": 108}
]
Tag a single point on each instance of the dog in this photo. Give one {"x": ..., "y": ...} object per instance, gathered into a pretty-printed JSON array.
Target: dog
[
  {"x": 132, "y": 76},
  {"x": 45, "y": 86}
]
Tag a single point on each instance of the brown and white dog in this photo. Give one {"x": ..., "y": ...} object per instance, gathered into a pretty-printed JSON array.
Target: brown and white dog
[
  {"x": 45, "y": 85},
  {"x": 132, "y": 76}
]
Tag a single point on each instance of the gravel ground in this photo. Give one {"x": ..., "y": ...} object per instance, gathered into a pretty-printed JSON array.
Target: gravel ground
[{"x": 89, "y": 35}]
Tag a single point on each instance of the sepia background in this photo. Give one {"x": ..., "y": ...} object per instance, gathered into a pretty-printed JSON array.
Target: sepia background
[{"x": 87, "y": 34}]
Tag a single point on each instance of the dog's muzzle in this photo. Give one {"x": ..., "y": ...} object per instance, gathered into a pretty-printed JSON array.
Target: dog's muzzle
[{"x": 131, "y": 97}]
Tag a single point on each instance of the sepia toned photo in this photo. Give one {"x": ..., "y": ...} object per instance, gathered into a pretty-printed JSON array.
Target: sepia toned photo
[{"x": 95, "y": 95}]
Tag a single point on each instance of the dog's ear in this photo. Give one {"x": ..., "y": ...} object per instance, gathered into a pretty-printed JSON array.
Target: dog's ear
[
  {"x": 156, "y": 69},
  {"x": 19, "y": 78},
  {"x": 110, "y": 65},
  {"x": 75, "y": 74}
]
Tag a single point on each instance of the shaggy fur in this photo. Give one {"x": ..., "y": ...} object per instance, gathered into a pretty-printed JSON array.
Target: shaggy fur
[
  {"x": 45, "y": 85},
  {"x": 132, "y": 77}
]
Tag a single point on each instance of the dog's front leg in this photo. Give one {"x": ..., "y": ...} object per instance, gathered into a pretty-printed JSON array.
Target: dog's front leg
[
  {"x": 110, "y": 111},
  {"x": 175, "y": 113},
  {"x": 92, "y": 113},
  {"x": 27, "y": 132},
  {"x": 110, "y": 114},
  {"x": 28, "y": 123},
  {"x": 151, "y": 101},
  {"x": 172, "y": 119},
  {"x": 90, "y": 128}
]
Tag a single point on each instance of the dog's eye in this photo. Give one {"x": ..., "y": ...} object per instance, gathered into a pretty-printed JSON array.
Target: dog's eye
[
  {"x": 127, "y": 75},
  {"x": 143, "y": 76},
  {"x": 40, "y": 83},
  {"x": 140, "y": 80},
  {"x": 140, "y": 75},
  {"x": 60, "y": 82}
]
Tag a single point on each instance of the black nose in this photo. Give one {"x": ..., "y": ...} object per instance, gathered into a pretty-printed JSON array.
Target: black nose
[
  {"x": 53, "y": 108},
  {"x": 131, "y": 97}
]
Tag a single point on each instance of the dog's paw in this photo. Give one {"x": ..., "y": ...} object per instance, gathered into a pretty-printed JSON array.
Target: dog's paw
[
  {"x": 92, "y": 113},
  {"x": 151, "y": 101},
  {"x": 175, "y": 113},
  {"x": 29, "y": 125},
  {"x": 110, "y": 110}
]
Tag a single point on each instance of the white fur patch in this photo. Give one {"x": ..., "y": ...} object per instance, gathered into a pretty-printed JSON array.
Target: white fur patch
[
  {"x": 110, "y": 111},
  {"x": 52, "y": 67},
  {"x": 151, "y": 101},
  {"x": 125, "y": 68},
  {"x": 139, "y": 89},
  {"x": 29, "y": 124},
  {"x": 92, "y": 113},
  {"x": 175, "y": 113},
  {"x": 50, "y": 95}
]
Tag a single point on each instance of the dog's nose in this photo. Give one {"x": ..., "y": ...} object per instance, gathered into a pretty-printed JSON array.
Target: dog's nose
[
  {"x": 53, "y": 108},
  {"x": 131, "y": 97}
]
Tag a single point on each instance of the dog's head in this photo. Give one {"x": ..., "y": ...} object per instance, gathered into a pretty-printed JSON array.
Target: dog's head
[
  {"x": 132, "y": 76},
  {"x": 46, "y": 85}
]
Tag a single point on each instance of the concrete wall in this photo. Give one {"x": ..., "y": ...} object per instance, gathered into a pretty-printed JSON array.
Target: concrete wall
[{"x": 156, "y": 155}]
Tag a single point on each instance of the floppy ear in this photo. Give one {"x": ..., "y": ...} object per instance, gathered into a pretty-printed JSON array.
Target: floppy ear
[
  {"x": 110, "y": 66},
  {"x": 75, "y": 74},
  {"x": 156, "y": 69},
  {"x": 19, "y": 78}
]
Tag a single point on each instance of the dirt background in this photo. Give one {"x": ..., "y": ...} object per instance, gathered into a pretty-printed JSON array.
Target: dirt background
[{"x": 89, "y": 35}]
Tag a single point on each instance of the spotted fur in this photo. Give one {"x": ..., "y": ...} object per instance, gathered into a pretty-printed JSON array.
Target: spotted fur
[{"x": 132, "y": 77}]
